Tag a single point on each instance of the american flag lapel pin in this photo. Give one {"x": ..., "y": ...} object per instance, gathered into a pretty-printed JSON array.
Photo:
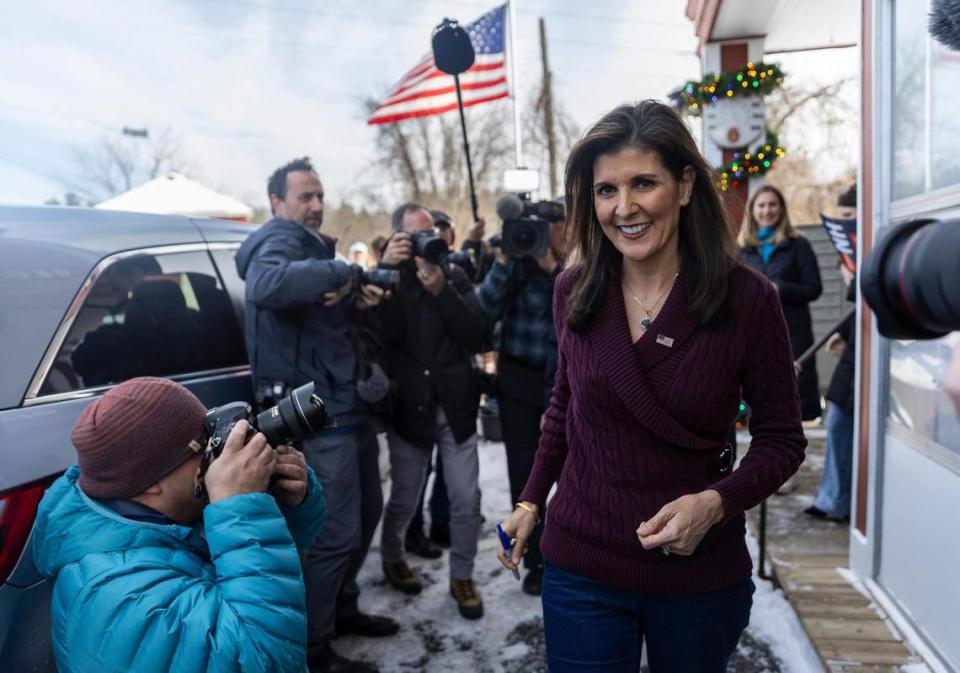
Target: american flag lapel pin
[{"x": 664, "y": 341}]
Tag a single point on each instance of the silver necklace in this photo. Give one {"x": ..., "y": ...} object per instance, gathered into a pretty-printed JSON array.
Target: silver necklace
[{"x": 648, "y": 321}]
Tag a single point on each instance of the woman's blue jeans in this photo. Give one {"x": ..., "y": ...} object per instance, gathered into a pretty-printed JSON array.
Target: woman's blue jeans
[
  {"x": 593, "y": 628},
  {"x": 836, "y": 484}
]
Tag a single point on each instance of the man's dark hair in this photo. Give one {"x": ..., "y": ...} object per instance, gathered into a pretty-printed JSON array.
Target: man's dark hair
[
  {"x": 277, "y": 184},
  {"x": 396, "y": 220}
]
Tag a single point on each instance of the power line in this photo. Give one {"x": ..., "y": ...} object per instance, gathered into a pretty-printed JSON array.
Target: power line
[{"x": 62, "y": 115}]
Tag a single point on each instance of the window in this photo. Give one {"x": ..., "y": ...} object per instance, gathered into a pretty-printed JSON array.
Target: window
[
  {"x": 224, "y": 259},
  {"x": 926, "y": 128},
  {"x": 149, "y": 315},
  {"x": 917, "y": 400}
]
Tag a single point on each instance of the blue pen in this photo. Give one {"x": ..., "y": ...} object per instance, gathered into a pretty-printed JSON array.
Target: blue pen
[{"x": 505, "y": 543}]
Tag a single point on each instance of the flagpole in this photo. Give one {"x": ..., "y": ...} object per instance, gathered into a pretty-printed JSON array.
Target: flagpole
[{"x": 515, "y": 79}]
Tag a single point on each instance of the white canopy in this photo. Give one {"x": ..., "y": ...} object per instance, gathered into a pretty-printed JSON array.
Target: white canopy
[{"x": 174, "y": 194}]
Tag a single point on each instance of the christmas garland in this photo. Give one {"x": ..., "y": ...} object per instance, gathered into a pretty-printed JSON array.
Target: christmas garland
[
  {"x": 751, "y": 80},
  {"x": 747, "y": 164}
]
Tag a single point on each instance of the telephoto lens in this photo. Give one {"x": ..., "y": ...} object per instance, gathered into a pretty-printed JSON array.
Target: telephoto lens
[
  {"x": 911, "y": 280},
  {"x": 298, "y": 415},
  {"x": 386, "y": 279}
]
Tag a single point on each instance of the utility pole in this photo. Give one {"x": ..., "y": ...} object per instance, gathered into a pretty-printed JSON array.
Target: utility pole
[{"x": 546, "y": 100}]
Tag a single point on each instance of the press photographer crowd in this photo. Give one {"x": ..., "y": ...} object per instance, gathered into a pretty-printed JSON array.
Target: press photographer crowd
[{"x": 626, "y": 325}]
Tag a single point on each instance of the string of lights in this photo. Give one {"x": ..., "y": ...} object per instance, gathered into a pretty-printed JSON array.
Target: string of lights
[{"x": 751, "y": 80}]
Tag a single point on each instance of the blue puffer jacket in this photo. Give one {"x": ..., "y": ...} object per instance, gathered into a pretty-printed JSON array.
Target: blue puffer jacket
[{"x": 224, "y": 595}]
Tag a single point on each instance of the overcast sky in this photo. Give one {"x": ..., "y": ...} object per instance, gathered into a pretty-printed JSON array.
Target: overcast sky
[{"x": 250, "y": 84}]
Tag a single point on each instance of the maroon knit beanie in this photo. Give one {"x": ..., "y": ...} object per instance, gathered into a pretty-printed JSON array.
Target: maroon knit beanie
[{"x": 135, "y": 434}]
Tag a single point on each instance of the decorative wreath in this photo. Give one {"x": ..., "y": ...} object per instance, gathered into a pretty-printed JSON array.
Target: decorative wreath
[
  {"x": 747, "y": 164},
  {"x": 751, "y": 80}
]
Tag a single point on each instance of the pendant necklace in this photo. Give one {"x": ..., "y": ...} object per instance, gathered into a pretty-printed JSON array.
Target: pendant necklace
[{"x": 648, "y": 321}]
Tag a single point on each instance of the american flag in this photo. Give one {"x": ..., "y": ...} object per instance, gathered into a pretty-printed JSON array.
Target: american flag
[{"x": 425, "y": 91}]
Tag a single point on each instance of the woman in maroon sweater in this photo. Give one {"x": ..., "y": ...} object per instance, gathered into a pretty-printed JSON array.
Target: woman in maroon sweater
[{"x": 660, "y": 331}]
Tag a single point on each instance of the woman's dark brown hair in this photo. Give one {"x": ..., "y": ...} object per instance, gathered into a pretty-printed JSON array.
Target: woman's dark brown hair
[{"x": 705, "y": 239}]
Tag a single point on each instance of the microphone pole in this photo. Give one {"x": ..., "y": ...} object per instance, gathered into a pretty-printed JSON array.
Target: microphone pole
[
  {"x": 466, "y": 149},
  {"x": 453, "y": 54}
]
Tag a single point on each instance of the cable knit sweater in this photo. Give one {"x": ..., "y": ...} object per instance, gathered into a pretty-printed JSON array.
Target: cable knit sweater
[{"x": 632, "y": 426}]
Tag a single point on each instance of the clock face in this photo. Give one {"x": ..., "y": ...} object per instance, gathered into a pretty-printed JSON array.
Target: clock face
[{"x": 734, "y": 123}]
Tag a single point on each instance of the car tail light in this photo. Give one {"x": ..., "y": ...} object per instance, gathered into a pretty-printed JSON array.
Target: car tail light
[{"x": 18, "y": 509}]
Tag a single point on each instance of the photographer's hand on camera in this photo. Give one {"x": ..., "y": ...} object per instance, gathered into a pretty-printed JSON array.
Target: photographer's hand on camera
[
  {"x": 240, "y": 468},
  {"x": 334, "y": 297},
  {"x": 399, "y": 249},
  {"x": 291, "y": 479},
  {"x": 430, "y": 276},
  {"x": 369, "y": 297}
]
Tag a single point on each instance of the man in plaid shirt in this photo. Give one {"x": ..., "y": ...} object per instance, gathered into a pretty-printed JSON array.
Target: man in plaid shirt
[{"x": 517, "y": 293}]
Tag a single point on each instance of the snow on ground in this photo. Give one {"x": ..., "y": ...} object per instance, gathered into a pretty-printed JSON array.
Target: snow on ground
[{"x": 434, "y": 638}]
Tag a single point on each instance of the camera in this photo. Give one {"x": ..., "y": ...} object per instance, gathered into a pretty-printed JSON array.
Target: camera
[
  {"x": 526, "y": 224},
  {"x": 386, "y": 279},
  {"x": 429, "y": 247},
  {"x": 911, "y": 280},
  {"x": 300, "y": 414}
]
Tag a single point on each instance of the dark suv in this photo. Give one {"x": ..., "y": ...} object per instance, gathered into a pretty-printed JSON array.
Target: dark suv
[{"x": 89, "y": 298}]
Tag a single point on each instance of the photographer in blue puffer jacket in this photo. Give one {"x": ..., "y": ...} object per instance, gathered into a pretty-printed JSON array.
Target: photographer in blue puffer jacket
[{"x": 146, "y": 576}]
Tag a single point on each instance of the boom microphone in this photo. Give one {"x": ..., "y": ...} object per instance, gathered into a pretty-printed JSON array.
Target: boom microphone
[
  {"x": 945, "y": 22},
  {"x": 509, "y": 207},
  {"x": 452, "y": 50}
]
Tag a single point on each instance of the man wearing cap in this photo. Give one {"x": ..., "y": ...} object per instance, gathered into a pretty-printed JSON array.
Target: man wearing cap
[
  {"x": 299, "y": 315},
  {"x": 146, "y": 578}
]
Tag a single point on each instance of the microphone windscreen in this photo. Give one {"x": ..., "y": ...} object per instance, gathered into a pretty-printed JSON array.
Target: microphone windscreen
[
  {"x": 945, "y": 22},
  {"x": 509, "y": 207}
]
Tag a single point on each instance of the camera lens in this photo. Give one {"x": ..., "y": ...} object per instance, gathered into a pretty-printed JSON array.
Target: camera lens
[
  {"x": 525, "y": 238},
  {"x": 434, "y": 250},
  {"x": 911, "y": 280},
  {"x": 300, "y": 414}
]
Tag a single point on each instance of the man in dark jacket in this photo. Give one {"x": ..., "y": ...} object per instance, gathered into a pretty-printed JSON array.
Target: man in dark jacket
[
  {"x": 431, "y": 327},
  {"x": 517, "y": 293},
  {"x": 298, "y": 308}
]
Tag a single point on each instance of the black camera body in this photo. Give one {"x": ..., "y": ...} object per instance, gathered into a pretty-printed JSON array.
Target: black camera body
[
  {"x": 911, "y": 280},
  {"x": 526, "y": 224},
  {"x": 299, "y": 414},
  {"x": 430, "y": 247}
]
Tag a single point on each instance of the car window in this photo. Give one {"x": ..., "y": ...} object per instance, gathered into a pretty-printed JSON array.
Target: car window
[
  {"x": 149, "y": 315},
  {"x": 224, "y": 260}
]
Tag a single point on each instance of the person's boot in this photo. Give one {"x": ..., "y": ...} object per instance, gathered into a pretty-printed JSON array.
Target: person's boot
[
  {"x": 417, "y": 543},
  {"x": 371, "y": 626},
  {"x": 470, "y": 604},
  {"x": 440, "y": 534},
  {"x": 533, "y": 581},
  {"x": 401, "y": 578},
  {"x": 328, "y": 661}
]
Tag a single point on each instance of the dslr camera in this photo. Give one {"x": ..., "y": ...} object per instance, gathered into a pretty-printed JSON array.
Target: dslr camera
[
  {"x": 911, "y": 280},
  {"x": 427, "y": 245},
  {"x": 299, "y": 414},
  {"x": 526, "y": 224}
]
